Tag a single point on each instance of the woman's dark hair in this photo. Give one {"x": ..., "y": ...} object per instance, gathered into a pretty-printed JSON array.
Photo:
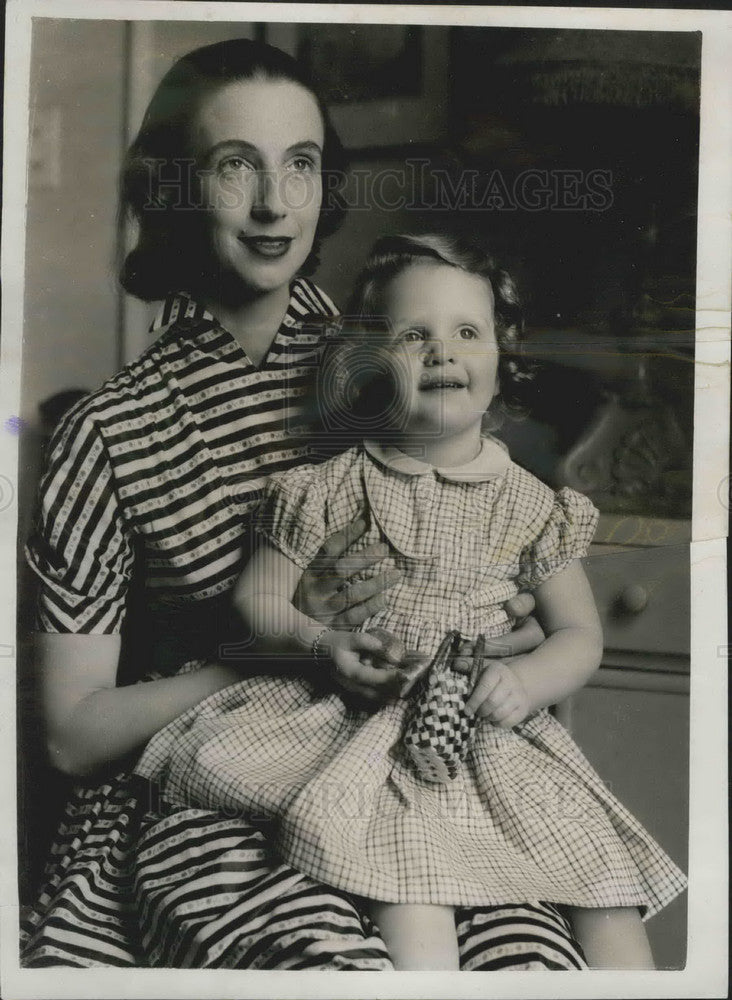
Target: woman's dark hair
[
  {"x": 391, "y": 255},
  {"x": 159, "y": 185}
]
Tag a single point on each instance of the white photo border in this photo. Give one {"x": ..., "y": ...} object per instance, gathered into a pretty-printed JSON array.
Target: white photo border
[{"x": 706, "y": 969}]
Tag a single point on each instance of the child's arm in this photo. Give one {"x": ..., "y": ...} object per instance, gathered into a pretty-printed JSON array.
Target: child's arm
[
  {"x": 508, "y": 691},
  {"x": 263, "y": 597}
]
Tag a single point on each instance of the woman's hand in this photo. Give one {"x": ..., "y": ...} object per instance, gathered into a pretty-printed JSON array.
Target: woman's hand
[
  {"x": 520, "y": 607},
  {"x": 325, "y": 592},
  {"x": 499, "y": 696},
  {"x": 526, "y": 637}
]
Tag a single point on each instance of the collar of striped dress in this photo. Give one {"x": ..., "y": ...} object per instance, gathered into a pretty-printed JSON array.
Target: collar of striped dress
[
  {"x": 491, "y": 462},
  {"x": 308, "y": 307}
]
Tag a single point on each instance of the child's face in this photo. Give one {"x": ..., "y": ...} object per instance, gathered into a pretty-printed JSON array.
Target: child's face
[
  {"x": 444, "y": 331},
  {"x": 260, "y": 145}
]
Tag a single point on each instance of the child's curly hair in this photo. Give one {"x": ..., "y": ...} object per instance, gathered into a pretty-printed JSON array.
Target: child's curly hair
[{"x": 364, "y": 318}]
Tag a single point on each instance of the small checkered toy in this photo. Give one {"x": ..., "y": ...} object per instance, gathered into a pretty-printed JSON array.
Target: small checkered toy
[{"x": 439, "y": 729}]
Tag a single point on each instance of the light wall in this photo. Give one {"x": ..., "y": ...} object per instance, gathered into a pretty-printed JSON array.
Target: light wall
[
  {"x": 71, "y": 301},
  {"x": 71, "y": 308}
]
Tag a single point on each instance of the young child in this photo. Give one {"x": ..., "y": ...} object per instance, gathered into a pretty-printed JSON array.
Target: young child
[{"x": 524, "y": 817}]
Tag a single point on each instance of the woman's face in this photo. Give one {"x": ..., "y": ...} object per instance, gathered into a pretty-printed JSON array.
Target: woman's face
[{"x": 259, "y": 146}]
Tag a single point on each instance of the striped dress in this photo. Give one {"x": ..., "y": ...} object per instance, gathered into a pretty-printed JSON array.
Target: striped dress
[{"x": 146, "y": 504}]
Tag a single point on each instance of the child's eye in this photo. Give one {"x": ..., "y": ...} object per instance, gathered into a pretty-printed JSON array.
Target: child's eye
[
  {"x": 468, "y": 333},
  {"x": 411, "y": 336}
]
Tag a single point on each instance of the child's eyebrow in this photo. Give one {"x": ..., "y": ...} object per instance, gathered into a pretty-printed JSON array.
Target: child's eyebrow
[{"x": 457, "y": 320}]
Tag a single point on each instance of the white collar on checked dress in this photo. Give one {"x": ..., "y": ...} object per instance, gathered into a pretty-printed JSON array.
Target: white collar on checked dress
[{"x": 491, "y": 461}]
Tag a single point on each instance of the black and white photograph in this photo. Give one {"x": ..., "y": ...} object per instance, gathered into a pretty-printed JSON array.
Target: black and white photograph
[{"x": 364, "y": 495}]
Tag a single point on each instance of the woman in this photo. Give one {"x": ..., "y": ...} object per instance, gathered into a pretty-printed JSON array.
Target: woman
[{"x": 152, "y": 478}]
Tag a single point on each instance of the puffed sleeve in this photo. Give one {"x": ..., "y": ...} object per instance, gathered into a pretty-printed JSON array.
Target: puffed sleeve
[
  {"x": 566, "y": 535},
  {"x": 80, "y": 548},
  {"x": 292, "y": 514}
]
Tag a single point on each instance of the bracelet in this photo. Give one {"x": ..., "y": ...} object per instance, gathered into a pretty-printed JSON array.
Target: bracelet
[{"x": 315, "y": 647}]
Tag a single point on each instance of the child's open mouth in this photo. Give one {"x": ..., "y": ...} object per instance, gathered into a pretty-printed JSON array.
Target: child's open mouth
[
  {"x": 267, "y": 246},
  {"x": 432, "y": 384}
]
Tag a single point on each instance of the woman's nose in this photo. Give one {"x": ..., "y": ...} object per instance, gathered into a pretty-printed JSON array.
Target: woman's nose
[{"x": 268, "y": 203}]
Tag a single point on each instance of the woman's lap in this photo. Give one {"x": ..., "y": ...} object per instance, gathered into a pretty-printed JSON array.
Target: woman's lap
[
  {"x": 209, "y": 895},
  {"x": 528, "y": 937},
  {"x": 84, "y": 916},
  {"x": 133, "y": 887}
]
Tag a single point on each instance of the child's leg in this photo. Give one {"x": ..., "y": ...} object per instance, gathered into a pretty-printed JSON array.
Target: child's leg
[
  {"x": 614, "y": 938},
  {"x": 416, "y": 936}
]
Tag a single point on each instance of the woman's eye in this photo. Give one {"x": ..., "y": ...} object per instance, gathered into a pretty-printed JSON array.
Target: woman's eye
[
  {"x": 302, "y": 164},
  {"x": 468, "y": 333},
  {"x": 234, "y": 164}
]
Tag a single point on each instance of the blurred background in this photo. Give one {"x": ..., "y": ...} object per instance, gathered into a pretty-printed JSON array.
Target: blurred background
[{"x": 575, "y": 154}]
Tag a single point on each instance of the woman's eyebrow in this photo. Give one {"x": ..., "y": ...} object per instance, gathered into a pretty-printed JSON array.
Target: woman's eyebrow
[
  {"x": 227, "y": 144},
  {"x": 306, "y": 145}
]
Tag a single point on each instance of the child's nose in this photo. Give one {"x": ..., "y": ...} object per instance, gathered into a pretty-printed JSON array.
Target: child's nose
[{"x": 437, "y": 351}]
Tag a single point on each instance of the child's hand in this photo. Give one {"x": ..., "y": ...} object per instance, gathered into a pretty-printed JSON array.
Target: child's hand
[
  {"x": 410, "y": 663},
  {"x": 392, "y": 651},
  {"x": 359, "y": 667},
  {"x": 499, "y": 696}
]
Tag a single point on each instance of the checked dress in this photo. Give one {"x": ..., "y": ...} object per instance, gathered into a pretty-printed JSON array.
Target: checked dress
[{"x": 526, "y": 818}]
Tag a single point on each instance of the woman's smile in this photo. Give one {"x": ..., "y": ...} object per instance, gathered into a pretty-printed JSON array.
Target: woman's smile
[{"x": 271, "y": 247}]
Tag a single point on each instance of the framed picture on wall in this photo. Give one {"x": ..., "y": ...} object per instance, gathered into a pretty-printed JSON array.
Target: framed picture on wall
[{"x": 385, "y": 84}]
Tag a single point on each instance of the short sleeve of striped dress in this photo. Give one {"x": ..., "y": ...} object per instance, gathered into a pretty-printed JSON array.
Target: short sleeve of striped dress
[
  {"x": 565, "y": 535},
  {"x": 292, "y": 514},
  {"x": 79, "y": 549}
]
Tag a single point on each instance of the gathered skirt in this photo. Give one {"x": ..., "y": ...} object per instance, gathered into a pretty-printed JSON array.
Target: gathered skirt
[{"x": 527, "y": 818}]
